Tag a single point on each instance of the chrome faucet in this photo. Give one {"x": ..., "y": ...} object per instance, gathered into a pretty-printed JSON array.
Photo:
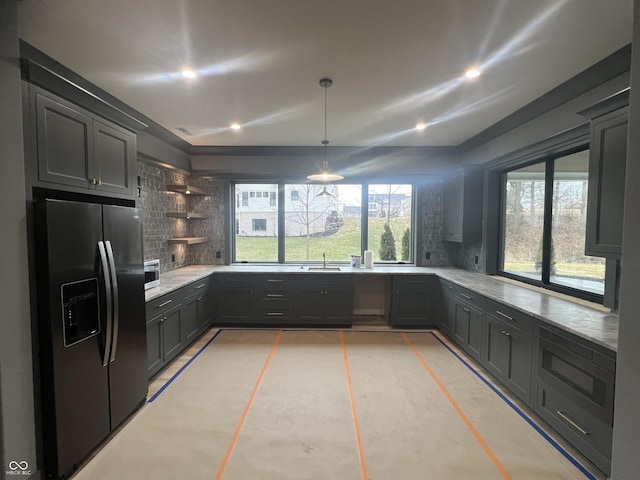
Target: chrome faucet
[{"x": 324, "y": 259}]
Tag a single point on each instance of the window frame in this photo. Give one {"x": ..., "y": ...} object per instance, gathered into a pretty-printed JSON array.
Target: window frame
[
  {"x": 364, "y": 231},
  {"x": 549, "y": 162}
]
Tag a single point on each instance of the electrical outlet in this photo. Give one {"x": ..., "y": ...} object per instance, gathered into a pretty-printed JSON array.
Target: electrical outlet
[
  {"x": 217, "y": 253},
  {"x": 476, "y": 259},
  {"x": 427, "y": 255},
  {"x": 173, "y": 257}
]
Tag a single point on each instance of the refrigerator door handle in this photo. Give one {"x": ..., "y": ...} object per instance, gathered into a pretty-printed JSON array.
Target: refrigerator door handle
[
  {"x": 116, "y": 318},
  {"x": 107, "y": 289}
]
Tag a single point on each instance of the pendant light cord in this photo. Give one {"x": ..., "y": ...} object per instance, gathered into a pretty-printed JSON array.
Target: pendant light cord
[{"x": 325, "y": 142}]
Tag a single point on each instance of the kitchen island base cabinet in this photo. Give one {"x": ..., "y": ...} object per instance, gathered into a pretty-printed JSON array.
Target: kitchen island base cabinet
[{"x": 445, "y": 310}]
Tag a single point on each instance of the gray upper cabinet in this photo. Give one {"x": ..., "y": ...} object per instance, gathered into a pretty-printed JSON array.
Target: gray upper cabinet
[
  {"x": 462, "y": 206},
  {"x": 607, "y": 163},
  {"x": 77, "y": 150}
]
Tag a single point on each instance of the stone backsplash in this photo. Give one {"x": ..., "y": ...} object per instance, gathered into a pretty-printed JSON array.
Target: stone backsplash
[{"x": 155, "y": 201}]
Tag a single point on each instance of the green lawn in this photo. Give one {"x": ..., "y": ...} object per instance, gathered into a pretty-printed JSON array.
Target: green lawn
[
  {"x": 338, "y": 246},
  {"x": 579, "y": 270}
]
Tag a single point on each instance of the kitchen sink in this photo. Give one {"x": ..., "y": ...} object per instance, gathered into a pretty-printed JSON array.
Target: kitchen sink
[{"x": 323, "y": 269}]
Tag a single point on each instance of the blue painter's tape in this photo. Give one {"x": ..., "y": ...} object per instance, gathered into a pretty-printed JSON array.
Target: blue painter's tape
[{"x": 182, "y": 369}]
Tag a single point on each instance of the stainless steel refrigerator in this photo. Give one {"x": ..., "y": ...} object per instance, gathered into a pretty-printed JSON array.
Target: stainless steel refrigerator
[{"x": 91, "y": 322}]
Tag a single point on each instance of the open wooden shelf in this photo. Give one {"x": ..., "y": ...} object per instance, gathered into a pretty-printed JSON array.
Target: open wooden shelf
[
  {"x": 186, "y": 189},
  {"x": 187, "y": 215},
  {"x": 188, "y": 240}
]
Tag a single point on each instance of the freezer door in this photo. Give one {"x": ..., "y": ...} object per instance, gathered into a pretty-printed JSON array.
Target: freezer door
[
  {"x": 128, "y": 359},
  {"x": 75, "y": 392}
]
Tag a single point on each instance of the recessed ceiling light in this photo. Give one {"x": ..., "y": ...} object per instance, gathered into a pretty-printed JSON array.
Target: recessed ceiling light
[
  {"x": 188, "y": 73},
  {"x": 235, "y": 126},
  {"x": 472, "y": 73},
  {"x": 421, "y": 126}
]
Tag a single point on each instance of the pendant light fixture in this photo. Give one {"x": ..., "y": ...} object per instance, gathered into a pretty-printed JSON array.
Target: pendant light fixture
[{"x": 325, "y": 175}]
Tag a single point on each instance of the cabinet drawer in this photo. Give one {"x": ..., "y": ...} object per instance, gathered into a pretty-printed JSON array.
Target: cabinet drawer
[
  {"x": 469, "y": 297},
  {"x": 164, "y": 303},
  {"x": 511, "y": 317},
  {"x": 591, "y": 436},
  {"x": 276, "y": 314},
  {"x": 235, "y": 280},
  {"x": 412, "y": 282},
  {"x": 201, "y": 286}
]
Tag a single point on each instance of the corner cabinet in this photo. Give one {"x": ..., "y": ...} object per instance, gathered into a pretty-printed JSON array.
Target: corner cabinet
[
  {"x": 412, "y": 300},
  {"x": 462, "y": 206},
  {"x": 76, "y": 148},
  {"x": 175, "y": 320},
  {"x": 607, "y": 164}
]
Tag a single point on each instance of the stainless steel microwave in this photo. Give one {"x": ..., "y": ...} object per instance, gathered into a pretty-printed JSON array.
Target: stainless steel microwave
[{"x": 151, "y": 274}]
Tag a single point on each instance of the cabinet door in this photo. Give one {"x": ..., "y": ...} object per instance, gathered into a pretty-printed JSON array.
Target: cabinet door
[
  {"x": 172, "y": 329},
  {"x": 519, "y": 376},
  {"x": 114, "y": 158},
  {"x": 205, "y": 310},
  {"x": 154, "y": 345},
  {"x": 498, "y": 349},
  {"x": 446, "y": 310},
  {"x": 64, "y": 143},
  {"x": 311, "y": 304},
  {"x": 476, "y": 330},
  {"x": 236, "y": 305},
  {"x": 605, "y": 204},
  {"x": 337, "y": 305},
  {"x": 190, "y": 324},
  {"x": 461, "y": 324}
]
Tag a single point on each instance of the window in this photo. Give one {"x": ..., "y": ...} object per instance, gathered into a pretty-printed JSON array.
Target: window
[
  {"x": 314, "y": 224},
  {"x": 259, "y": 224},
  {"x": 306, "y": 224},
  {"x": 544, "y": 226},
  {"x": 256, "y": 225}
]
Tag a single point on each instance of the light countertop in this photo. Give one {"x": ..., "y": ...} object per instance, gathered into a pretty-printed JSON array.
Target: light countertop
[{"x": 589, "y": 323}]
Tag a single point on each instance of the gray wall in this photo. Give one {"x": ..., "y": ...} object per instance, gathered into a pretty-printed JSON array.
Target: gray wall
[
  {"x": 17, "y": 436},
  {"x": 155, "y": 201},
  {"x": 626, "y": 461}
]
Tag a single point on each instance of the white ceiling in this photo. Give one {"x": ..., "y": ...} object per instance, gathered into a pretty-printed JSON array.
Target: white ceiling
[{"x": 394, "y": 62}]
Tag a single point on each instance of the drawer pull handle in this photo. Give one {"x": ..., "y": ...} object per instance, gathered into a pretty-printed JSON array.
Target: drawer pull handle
[
  {"x": 275, "y": 314},
  {"x": 572, "y": 423},
  {"x": 202, "y": 285},
  {"x": 275, "y": 280},
  {"x": 275, "y": 295},
  {"x": 164, "y": 304},
  {"x": 466, "y": 296},
  {"x": 504, "y": 315}
]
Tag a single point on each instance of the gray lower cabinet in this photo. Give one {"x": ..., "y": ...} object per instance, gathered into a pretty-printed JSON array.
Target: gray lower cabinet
[
  {"x": 509, "y": 348},
  {"x": 411, "y": 304},
  {"x": 575, "y": 393},
  {"x": 325, "y": 299},
  {"x": 468, "y": 325},
  {"x": 446, "y": 307},
  {"x": 164, "y": 330},
  {"x": 235, "y": 294},
  {"x": 175, "y": 320}
]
